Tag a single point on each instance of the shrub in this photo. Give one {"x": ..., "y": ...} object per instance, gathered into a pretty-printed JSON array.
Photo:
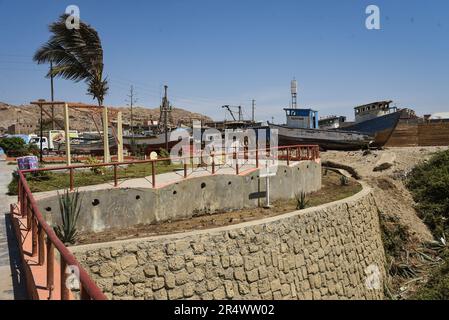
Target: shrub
[
  {"x": 95, "y": 170},
  {"x": 429, "y": 185},
  {"x": 16, "y": 147},
  {"x": 70, "y": 207},
  {"x": 344, "y": 181}
]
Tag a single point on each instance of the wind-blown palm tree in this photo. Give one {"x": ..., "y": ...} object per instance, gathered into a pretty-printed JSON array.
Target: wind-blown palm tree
[{"x": 76, "y": 55}]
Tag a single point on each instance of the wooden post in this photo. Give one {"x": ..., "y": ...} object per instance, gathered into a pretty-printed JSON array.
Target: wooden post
[
  {"x": 288, "y": 156},
  {"x": 119, "y": 137},
  {"x": 213, "y": 163},
  {"x": 67, "y": 135},
  {"x": 106, "y": 156}
]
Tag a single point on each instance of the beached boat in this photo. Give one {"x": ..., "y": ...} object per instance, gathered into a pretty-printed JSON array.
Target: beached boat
[
  {"x": 302, "y": 128},
  {"x": 377, "y": 119}
]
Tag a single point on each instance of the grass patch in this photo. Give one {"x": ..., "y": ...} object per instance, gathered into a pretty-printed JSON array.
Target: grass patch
[{"x": 48, "y": 181}]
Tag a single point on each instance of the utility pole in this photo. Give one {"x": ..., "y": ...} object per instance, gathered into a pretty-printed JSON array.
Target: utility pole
[
  {"x": 253, "y": 107},
  {"x": 165, "y": 110},
  {"x": 132, "y": 100},
  {"x": 52, "y": 98}
]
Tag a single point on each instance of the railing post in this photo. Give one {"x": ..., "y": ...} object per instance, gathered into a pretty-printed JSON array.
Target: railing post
[
  {"x": 83, "y": 294},
  {"x": 29, "y": 214},
  {"x": 257, "y": 155},
  {"x": 115, "y": 176},
  {"x": 50, "y": 266},
  {"x": 153, "y": 174},
  {"x": 288, "y": 156},
  {"x": 34, "y": 236},
  {"x": 64, "y": 289},
  {"x": 185, "y": 169},
  {"x": 41, "y": 244},
  {"x": 72, "y": 184},
  {"x": 236, "y": 161}
]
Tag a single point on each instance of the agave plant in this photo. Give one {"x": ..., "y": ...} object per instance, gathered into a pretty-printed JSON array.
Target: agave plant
[
  {"x": 301, "y": 201},
  {"x": 70, "y": 207},
  {"x": 344, "y": 181}
]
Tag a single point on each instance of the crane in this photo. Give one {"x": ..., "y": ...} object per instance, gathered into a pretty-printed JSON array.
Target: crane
[{"x": 229, "y": 108}]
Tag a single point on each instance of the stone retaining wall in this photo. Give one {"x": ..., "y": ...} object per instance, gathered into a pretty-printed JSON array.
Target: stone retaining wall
[{"x": 327, "y": 252}]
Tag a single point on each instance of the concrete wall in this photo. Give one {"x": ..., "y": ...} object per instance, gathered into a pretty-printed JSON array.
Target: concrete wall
[
  {"x": 326, "y": 252},
  {"x": 120, "y": 207}
]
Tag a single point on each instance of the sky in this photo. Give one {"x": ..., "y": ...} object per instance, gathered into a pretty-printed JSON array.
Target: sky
[{"x": 212, "y": 53}]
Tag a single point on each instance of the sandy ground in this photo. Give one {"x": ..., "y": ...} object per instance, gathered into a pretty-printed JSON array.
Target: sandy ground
[{"x": 391, "y": 195}]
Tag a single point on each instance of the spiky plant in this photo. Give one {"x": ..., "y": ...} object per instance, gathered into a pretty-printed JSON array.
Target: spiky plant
[
  {"x": 344, "y": 181},
  {"x": 301, "y": 201},
  {"x": 70, "y": 207},
  {"x": 76, "y": 55}
]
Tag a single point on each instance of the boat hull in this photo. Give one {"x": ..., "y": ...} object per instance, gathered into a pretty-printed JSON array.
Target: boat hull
[
  {"x": 326, "y": 139},
  {"x": 381, "y": 127}
]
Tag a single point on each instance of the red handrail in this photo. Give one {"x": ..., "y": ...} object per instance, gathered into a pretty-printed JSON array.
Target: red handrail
[{"x": 88, "y": 287}]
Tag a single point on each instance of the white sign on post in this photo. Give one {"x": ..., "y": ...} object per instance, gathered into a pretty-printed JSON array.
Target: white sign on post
[{"x": 266, "y": 173}]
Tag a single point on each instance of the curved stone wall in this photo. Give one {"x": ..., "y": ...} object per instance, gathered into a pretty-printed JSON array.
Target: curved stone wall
[
  {"x": 333, "y": 251},
  {"x": 124, "y": 207}
]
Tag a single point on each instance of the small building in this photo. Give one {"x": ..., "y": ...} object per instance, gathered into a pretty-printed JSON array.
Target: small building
[
  {"x": 331, "y": 122},
  {"x": 302, "y": 118},
  {"x": 373, "y": 110},
  {"x": 22, "y": 128}
]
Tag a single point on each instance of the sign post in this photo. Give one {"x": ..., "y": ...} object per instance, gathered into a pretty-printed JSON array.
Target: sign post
[{"x": 266, "y": 173}]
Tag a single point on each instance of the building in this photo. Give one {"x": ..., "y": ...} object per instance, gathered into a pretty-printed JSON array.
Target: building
[
  {"x": 302, "y": 118},
  {"x": 331, "y": 122},
  {"x": 22, "y": 128}
]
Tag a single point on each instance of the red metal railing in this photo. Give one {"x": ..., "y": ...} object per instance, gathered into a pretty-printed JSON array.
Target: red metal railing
[
  {"x": 285, "y": 153},
  {"x": 45, "y": 241}
]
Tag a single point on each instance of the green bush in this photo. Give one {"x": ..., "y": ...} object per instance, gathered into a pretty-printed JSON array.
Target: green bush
[
  {"x": 16, "y": 147},
  {"x": 429, "y": 185}
]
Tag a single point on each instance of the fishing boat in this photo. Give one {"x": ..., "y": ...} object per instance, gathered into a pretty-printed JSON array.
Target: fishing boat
[
  {"x": 153, "y": 142},
  {"x": 377, "y": 119},
  {"x": 302, "y": 128},
  {"x": 82, "y": 146}
]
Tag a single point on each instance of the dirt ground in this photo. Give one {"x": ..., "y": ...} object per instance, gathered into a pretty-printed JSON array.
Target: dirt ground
[
  {"x": 331, "y": 190},
  {"x": 411, "y": 266},
  {"x": 391, "y": 195}
]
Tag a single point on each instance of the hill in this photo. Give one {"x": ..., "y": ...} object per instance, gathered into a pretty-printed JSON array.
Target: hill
[{"x": 82, "y": 121}]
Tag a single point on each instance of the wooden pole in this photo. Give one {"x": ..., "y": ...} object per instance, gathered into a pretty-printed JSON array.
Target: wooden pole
[
  {"x": 67, "y": 136},
  {"x": 119, "y": 137},
  {"x": 105, "y": 136}
]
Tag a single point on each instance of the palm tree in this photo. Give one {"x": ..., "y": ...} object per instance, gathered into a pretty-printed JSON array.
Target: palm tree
[{"x": 76, "y": 55}]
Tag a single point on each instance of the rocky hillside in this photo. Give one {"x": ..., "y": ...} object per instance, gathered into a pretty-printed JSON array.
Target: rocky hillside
[{"x": 81, "y": 121}]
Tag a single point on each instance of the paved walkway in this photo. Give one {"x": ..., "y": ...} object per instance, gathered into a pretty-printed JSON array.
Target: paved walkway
[
  {"x": 163, "y": 179},
  {"x": 11, "y": 283}
]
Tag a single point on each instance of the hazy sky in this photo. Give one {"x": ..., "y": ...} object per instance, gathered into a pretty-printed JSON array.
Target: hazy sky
[{"x": 212, "y": 53}]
